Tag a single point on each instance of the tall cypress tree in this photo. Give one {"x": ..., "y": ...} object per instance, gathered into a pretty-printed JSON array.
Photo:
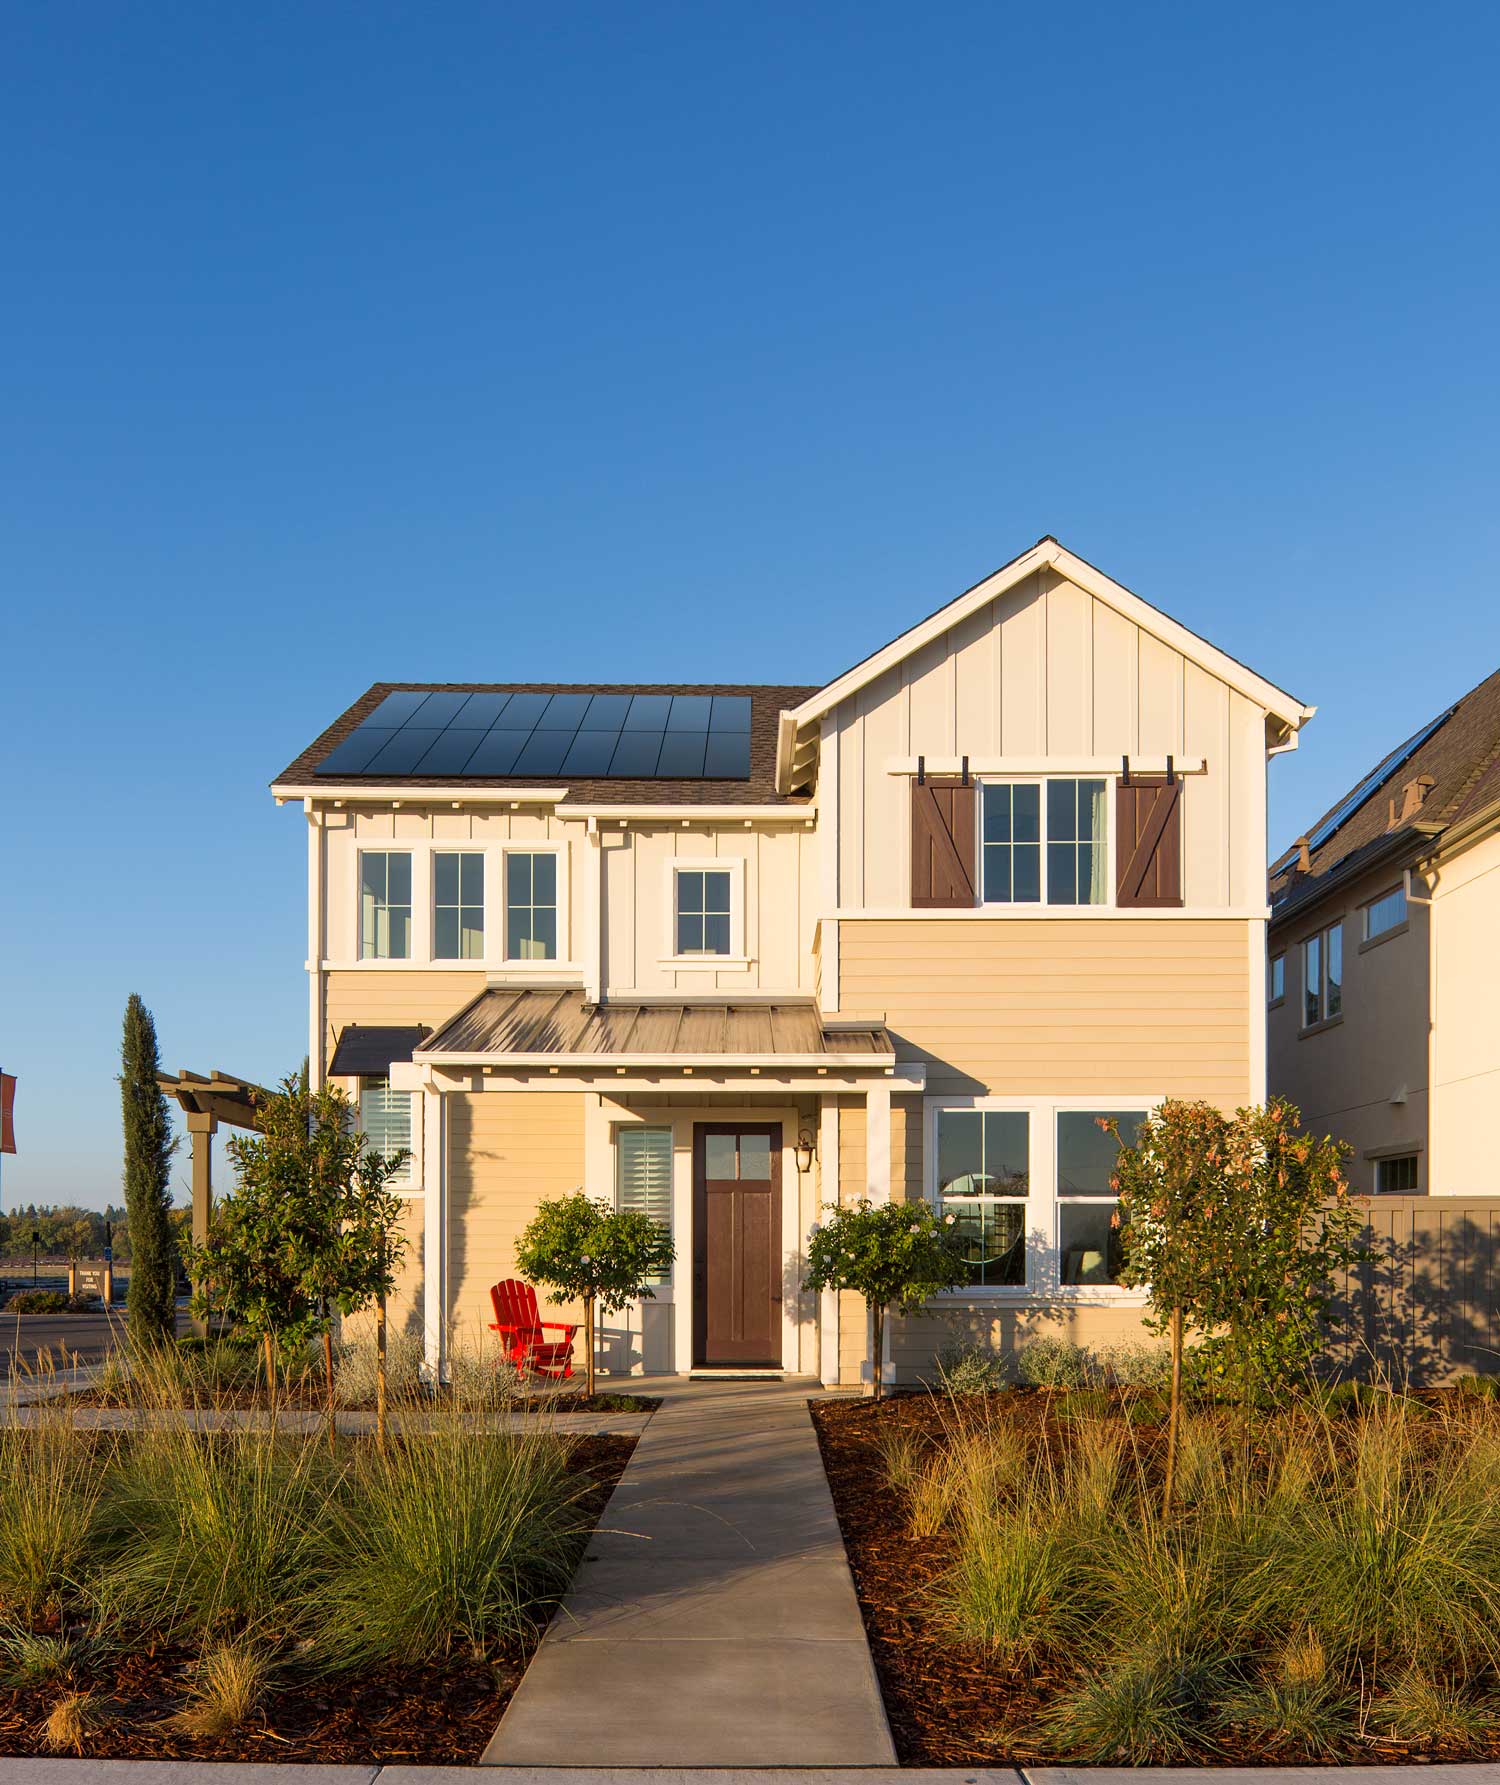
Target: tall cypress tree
[{"x": 151, "y": 1305}]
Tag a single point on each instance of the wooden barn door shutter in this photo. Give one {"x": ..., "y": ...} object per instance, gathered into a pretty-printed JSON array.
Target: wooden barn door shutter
[
  {"x": 943, "y": 850},
  {"x": 1148, "y": 850}
]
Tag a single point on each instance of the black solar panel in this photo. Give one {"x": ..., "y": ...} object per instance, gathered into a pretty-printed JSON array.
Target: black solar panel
[{"x": 592, "y": 736}]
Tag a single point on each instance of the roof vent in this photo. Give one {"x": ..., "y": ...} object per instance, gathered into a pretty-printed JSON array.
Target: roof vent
[
  {"x": 1414, "y": 795},
  {"x": 1304, "y": 856}
]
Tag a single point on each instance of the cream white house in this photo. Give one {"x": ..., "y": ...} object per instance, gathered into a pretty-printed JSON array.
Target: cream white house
[{"x": 729, "y": 953}]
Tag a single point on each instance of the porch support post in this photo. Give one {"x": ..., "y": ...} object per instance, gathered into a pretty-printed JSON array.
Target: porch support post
[
  {"x": 878, "y": 1189},
  {"x": 202, "y": 1127},
  {"x": 828, "y": 1192},
  {"x": 434, "y": 1235}
]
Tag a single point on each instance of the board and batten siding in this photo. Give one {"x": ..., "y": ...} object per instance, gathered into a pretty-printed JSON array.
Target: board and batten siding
[
  {"x": 1048, "y": 670},
  {"x": 1031, "y": 1007},
  {"x": 507, "y": 1151}
]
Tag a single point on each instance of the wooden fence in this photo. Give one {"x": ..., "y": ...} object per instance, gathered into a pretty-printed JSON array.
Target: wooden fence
[{"x": 1425, "y": 1306}]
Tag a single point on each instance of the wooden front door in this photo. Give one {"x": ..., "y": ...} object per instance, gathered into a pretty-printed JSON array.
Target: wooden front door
[{"x": 736, "y": 1245}]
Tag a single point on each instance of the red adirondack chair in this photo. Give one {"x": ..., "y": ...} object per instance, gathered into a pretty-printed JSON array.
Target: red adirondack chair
[{"x": 526, "y": 1346}]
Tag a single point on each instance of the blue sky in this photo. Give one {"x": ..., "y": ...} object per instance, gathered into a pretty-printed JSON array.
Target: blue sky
[{"x": 345, "y": 343}]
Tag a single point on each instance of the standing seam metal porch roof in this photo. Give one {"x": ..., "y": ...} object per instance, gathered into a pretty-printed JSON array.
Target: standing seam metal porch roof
[{"x": 506, "y": 1021}]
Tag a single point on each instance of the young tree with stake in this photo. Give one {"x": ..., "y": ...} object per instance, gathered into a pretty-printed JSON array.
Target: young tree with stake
[{"x": 589, "y": 1251}]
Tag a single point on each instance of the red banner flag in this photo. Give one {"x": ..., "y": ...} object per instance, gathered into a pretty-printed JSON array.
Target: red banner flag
[{"x": 7, "y": 1112}]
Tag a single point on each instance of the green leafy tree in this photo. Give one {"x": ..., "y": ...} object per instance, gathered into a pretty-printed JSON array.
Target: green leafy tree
[
  {"x": 894, "y": 1254},
  {"x": 151, "y": 1306},
  {"x": 310, "y": 1230},
  {"x": 592, "y": 1252},
  {"x": 1239, "y": 1227}
]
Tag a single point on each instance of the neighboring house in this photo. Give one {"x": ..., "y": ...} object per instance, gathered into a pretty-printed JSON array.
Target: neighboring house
[
  {"x": 1384, "y": 994},
  {"x": 728, "y": 953}
]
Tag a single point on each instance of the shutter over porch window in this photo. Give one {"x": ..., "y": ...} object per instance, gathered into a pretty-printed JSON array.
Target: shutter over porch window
[
  {"x": 944, "y": 852},
  {"x": 1148, "y": 849}
]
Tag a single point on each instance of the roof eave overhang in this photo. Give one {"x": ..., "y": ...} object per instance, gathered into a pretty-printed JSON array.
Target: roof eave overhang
[
  {"x": 1285, "y": 708},
  {"x": 406, "y": 793},
  {"x": 658, "y": 1062},
  {"x": 1408, "y": 841}
]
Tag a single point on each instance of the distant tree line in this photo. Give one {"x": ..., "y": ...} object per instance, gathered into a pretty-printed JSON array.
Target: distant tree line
[{"x": 70, "y": 1232}]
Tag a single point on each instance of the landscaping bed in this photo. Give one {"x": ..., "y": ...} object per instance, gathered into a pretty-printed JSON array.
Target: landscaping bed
[
  {"x": 167, "y": 1595},
  {"x": 1326, "y": 1588}
]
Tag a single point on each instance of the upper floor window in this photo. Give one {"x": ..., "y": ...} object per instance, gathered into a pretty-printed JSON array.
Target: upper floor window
[
  {"x": 531, "y": 905},
  {"x": 1044, "y": 842},
  {"x": 1323, "y": 976},
  {"x": 704, "y": 911},
  {"x": 1386, "y": 913},
  {"x": 384, "y": 905},
  {"x": 385, "y": 1120},
  {"x": 1276, "y": 979},
  {"x": 457, "y": 906}
]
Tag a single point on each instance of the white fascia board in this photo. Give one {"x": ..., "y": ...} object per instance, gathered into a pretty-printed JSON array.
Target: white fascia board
[
  {"x": 1172, "y": 633},
  {"x": 800, "y": 813},
  {"x": 689, "y": 1063},
  {"x": 404, "y": 794}
]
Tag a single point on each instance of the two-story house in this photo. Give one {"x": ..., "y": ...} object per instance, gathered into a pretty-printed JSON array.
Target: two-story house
[
  {"x": 1384, "y": 972},
  {"x": 729, "y": 953}
]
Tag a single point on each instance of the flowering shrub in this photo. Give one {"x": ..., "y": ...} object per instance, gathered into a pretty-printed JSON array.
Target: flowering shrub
[{"x": 894, "y": 1254}]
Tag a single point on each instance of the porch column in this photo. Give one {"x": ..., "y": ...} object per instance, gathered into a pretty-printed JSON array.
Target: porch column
[
  {"x": 434, "y": 1235},
  {"x": 878, "y": 1189},
  {"x": 828, "y": 1191},
  {"x": 203, "y": 1128}
]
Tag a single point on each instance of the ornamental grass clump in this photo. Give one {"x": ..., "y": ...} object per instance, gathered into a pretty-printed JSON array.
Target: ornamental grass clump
[
  {"x": 451, "y": 1541},
  {"x": 51, "y": 1480}
]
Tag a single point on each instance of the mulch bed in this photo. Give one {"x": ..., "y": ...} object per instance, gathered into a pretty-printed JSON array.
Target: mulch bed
[
  {"x": 445, "y": 1712},
  {"x": 950, "y": 1703}
]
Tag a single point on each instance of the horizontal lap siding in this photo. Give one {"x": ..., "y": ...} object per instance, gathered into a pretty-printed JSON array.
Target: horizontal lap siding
[
  {"x": 404, "y": 1305},
  {"x": 1064, "y": 1007},
  {"x": 507, "y": 1151},
  {"x": 395, "y": 997}
]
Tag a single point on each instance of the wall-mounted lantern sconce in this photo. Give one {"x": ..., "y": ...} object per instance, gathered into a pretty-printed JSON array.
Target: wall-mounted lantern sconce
[{"x": 805, "y": 1150}]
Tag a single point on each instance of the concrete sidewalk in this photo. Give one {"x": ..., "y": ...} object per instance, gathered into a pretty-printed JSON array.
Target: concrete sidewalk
[{"x": 713, "y": 1619}]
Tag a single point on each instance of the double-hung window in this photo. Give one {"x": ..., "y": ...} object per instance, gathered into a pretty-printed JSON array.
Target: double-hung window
[
  {"x": 384, "y": 905},
  {"x": 457, "y": 906},
  {"x": 1045, "y": 842},
  {"x": 983, "y": 1181},
  {"x": 531, "y": 905},
  {"x": 643, "y": 1177},
  {"x": 704, "y": 911},
  {"x": 1088, "y": 1240},
  {"x": 1323, "y": 976},
  {"x": 385, "y": 1120}
]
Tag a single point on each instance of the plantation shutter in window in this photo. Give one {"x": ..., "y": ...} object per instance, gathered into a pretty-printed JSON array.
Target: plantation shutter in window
[
  {"x": 943, "y": 850},
  {"x": 644, "y": 1166},
  {"x": 1148, "y": 851}
]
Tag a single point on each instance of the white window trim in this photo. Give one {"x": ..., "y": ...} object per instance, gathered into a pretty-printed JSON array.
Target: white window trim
[
  {"x": 564, "y": 963},
  {"x": 484, "y": 903},
  {"x": 1043, "y": 1205},
  {"x": 1040, "y": 905},
  {"x": 738, "y": 957}
]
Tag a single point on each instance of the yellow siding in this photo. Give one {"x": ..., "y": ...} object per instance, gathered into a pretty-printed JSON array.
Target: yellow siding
[
  {"x": 1062, "y": 1008},
  {"x": 915, "y": 1343},
  {"x": 506, "y": 1152},
  {"x": 395, "y": 997},
  {"x": 404, "y": 1306}
]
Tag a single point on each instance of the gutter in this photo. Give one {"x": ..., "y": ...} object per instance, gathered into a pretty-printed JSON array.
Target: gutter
[{"x": 1402, "y": 842}]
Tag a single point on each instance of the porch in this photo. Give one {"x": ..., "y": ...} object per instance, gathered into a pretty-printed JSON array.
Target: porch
[{"x": 726, "y": 1122}]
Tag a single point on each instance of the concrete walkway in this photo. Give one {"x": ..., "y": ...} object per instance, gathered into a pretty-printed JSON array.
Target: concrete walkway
[{"x": 713, "y": 1620}]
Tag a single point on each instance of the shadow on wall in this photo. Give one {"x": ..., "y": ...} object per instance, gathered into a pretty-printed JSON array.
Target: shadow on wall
[{"x": 1425, "y": 1303}]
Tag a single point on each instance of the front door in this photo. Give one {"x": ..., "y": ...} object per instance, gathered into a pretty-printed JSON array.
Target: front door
[{"x": 736, "y": 1253}]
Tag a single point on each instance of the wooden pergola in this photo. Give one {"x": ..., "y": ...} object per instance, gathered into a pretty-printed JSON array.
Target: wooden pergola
[{"x": 205, "y": 1103}]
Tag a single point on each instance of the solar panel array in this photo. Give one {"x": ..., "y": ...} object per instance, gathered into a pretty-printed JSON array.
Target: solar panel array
[
  {"x": 1375, "y": 780},
  {"x": 597, "y": 736}
]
